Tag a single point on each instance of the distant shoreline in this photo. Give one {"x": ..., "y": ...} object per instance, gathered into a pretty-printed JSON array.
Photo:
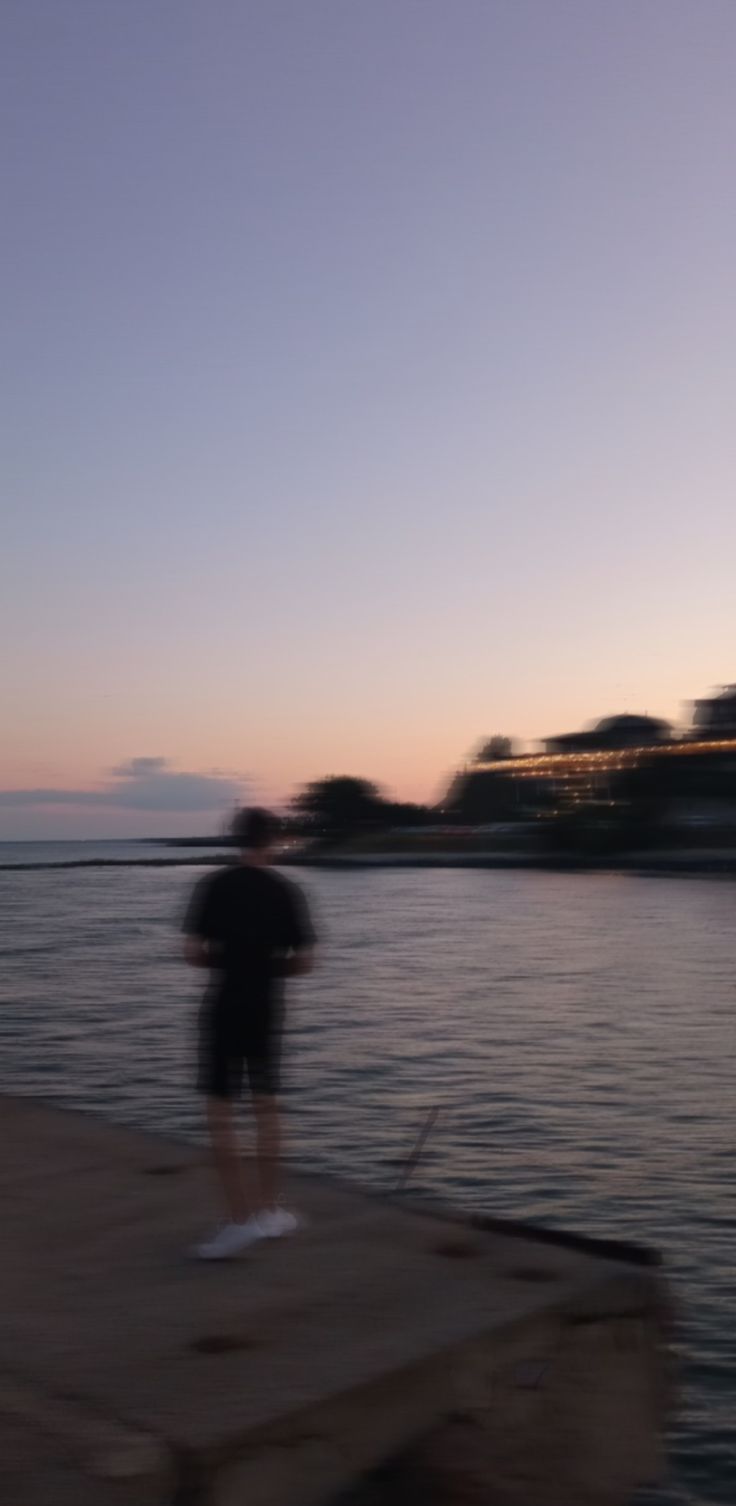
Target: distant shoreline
[{"x": 671, "y": 863}]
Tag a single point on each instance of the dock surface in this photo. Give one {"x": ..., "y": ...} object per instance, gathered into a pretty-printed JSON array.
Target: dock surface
[{"x": 131, "y": 1373}]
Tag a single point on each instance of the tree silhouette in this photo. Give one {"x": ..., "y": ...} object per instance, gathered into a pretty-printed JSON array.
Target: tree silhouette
[
  {"x": 495, "y": 748},
  {"x": 339, "y": 806}
]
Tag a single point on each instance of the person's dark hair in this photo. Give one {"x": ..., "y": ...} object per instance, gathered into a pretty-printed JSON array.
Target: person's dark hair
[{"x": 255, "y": 828}]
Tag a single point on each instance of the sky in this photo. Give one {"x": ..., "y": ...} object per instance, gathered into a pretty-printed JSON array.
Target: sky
[{"x": 368, "y": 390}]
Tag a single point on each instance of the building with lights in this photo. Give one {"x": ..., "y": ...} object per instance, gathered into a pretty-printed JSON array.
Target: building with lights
[{"x": 627, "y": 770}]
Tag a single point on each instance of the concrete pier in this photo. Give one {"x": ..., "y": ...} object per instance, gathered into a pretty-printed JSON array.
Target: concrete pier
[{"x": 488, "y": 1363}]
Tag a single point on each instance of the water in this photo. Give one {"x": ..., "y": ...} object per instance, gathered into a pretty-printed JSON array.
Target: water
[{"x": 577, "y": 1030}]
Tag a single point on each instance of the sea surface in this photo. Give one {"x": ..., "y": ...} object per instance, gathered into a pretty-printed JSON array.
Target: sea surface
[{"x": 576, "y": 1030}]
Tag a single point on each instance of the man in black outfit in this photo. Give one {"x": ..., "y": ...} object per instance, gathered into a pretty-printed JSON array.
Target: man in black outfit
[{"x": 251, "y": 929}]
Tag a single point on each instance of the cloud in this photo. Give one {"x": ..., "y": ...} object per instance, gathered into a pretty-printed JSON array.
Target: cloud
[
  {"x": 141, "y": 784},
  {"x": 139, "y": 766}
]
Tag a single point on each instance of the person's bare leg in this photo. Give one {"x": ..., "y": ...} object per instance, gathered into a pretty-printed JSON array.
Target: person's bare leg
[
  {"x": 227, "y": 1157},
  {"x": 268, "y": 1133}
]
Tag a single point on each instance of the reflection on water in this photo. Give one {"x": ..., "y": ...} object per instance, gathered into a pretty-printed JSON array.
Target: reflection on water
[{"x": 577, "y": 1032}]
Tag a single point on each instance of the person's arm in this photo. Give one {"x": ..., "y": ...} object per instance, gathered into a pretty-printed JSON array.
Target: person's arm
[
  {"x": 299, "y": 962},
  {"x": 299, "y": 934},
  {"x": 197, "y": 927},
  {"x": 196, "y": 951}
]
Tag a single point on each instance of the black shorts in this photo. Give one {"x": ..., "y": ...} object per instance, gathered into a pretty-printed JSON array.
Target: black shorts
[{"x": 233, "y": 1042}]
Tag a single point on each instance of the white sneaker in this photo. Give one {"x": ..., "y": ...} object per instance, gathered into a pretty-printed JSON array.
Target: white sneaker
[
  {"x": 231, "y": 1239},
  {"x": 277, "y": 1222}
]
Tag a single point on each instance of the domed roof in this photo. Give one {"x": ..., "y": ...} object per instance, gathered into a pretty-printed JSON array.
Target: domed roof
[{"x": 647, "y": 726}]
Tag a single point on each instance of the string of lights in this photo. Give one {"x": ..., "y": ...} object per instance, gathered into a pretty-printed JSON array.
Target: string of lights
[{"x": 560, "y": 765}]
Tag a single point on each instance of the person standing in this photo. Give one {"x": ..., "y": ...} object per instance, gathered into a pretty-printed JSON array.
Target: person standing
[{"x": 251, "y": 929}]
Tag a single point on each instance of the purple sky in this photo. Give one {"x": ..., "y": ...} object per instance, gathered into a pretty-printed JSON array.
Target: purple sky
[{"x": 369, "y": 388}]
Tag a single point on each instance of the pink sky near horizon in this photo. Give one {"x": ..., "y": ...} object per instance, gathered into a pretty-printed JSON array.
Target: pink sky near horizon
[
  {"x": 398, "y": 763},
  {"x": 369, "y": 389}
]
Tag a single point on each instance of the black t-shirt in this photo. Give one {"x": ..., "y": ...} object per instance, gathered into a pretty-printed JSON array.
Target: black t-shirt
[{"x": 252, "y": 918}]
